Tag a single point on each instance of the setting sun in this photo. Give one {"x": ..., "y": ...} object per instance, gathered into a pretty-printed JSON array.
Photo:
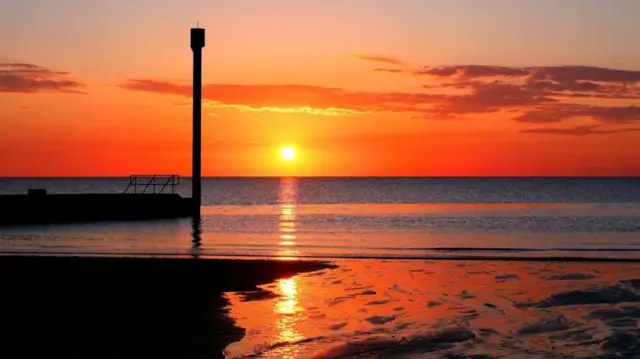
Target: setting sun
[{"x": 288, "y": 153}]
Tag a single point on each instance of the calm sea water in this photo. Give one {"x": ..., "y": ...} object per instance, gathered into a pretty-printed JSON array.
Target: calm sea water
[{"x": 359, "y": 217}]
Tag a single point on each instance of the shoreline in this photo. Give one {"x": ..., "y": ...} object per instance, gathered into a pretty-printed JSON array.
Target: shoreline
[
  {"x": 223, "y": 257},
  {"x": 103, "y": 307}
]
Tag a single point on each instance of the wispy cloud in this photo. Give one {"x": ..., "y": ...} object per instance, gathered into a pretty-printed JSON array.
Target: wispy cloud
[
  {"x": 393, "y": 71},
  {"x": 551, "y": 81},
  {"x": 578, "y": 131},
  {"x": 522, "y": 94},
  {"x": 30, "y": 78},
  {"x": 491, "y": 97},
  {"x": 314, "y": 100},
  {"x": 538, "y": 93},
  {"x": 559, "y": 113},
  {"x": 471, "y": 71},
  {"x": 331, "y": 111},
  {"x": 381, "y": 59},
  {"x": 560, "y": 74}
]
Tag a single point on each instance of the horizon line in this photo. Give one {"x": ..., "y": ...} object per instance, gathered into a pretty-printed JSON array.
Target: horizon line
[{"x": 354, "y": 177}]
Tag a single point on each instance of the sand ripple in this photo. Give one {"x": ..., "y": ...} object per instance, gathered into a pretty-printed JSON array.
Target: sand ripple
[
  {"x": 424, "y": 343},
  {"x": 601, "y": 295},
  {"x": 448, "y": 309}
]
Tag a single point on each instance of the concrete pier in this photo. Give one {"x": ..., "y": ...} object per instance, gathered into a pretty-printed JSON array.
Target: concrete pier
[{"x": 63, "y": 208}]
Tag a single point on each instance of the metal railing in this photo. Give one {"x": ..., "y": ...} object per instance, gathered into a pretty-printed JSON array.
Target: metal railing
[{"x": 152, "y": 184}]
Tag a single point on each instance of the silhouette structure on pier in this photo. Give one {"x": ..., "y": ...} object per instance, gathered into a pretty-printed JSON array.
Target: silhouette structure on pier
[
  {"x": 39, "y": 207},
  {"x": 197, "y": 43}
]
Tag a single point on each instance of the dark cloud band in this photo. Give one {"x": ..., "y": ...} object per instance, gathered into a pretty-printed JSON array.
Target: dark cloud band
[{"x": 30, "y": 78}]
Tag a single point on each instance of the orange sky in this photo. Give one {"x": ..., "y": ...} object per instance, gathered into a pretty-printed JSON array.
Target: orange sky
[{"x": 447, "y": 93}]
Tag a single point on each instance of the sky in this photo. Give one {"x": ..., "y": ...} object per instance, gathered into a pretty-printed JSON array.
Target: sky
[{"x": 355, "y": 87}]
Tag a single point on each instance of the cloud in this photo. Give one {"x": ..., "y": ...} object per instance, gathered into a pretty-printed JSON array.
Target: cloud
[
  {"x": 293, "y": 98},
  {"x": 393, "y": 71},
  {"x": 165, "y": 87},
  {"x": 331, "y": 111},
  {"x": 569, "y": 74},
  {"x": 491, "y": 97},
  {"x": 472, "y": 71},
  {"x": 523, "y": 94},
  {"x": 381, "y": 59},
  {"x": 560, "y": 74},
  {"x": 559, "y": 113},
  {"x": 29, "y": 78},
  {"x": 550, "y": 114},
  {"x": 540, "y": 93},
  {"x": 577, "y": 131},
  {"x": 552, "y": 81},
  {"x": 487, "y": 98},
  {"x": 20, "y": 65}
]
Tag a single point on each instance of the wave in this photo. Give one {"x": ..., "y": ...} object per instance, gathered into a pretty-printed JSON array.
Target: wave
[{"x": 332, "y": 257}]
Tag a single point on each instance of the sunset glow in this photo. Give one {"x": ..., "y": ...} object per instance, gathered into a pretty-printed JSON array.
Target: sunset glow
[{"x": 417, "y": 88}]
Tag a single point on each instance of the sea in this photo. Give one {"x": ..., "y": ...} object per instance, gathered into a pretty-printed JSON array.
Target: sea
[
  {"x": 357, "y": 218},
  {"x": 424, "y": 267}
]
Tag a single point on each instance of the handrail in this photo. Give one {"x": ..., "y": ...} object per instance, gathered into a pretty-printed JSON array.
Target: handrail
[{"x": 152, "y": 181}]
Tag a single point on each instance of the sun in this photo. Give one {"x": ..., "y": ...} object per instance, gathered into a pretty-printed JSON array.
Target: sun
[{"x": 288, "y": 153}]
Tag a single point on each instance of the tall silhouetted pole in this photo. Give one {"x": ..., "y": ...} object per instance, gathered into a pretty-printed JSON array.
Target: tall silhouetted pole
[{"x": 197, "y": 43}]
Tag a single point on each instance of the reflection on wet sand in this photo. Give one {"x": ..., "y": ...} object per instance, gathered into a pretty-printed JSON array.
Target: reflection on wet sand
[
  {"x": 413, "y": 308},
  {"x": 286, "y": 307}
]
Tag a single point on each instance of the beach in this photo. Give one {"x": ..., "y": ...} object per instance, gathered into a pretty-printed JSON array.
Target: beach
[
  {"x": 205, "y": 308},
  {"x": 335, "y": 268},
  {"x": 97, "y": 307},
  {"x": 445, "y": 309}
]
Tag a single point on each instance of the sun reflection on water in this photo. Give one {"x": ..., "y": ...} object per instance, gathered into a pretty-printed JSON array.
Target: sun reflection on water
[{"x": 287, "y": 199}]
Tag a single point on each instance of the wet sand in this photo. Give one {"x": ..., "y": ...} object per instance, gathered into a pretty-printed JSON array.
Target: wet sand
[
  {"x": 80, "y": 307},
  {"x": 445, "y": 309}
]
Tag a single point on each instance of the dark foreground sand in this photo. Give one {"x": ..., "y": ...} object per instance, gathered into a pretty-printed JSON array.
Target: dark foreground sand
[{"x": 79, "y": 307}]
